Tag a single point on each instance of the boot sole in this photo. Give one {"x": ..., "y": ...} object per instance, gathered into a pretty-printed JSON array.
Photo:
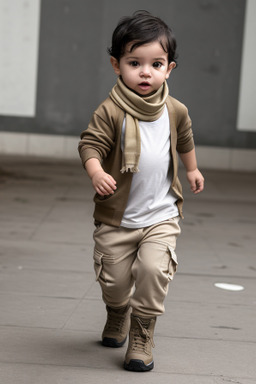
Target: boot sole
[
  {"x": 138, "y": 366},
  {"x": 112, "y": 343}
]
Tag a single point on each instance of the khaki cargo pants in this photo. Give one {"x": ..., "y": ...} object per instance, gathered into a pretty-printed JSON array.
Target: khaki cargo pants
[{"x": 136, "y": 265}]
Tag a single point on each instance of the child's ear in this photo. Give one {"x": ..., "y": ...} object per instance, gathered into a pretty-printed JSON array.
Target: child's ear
[
  {"x": 171, "y": 66},
  {"x": 115, "y": 65}
]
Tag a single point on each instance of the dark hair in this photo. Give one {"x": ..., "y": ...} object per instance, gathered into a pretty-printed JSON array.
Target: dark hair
[{"x": 142, "y": 28}]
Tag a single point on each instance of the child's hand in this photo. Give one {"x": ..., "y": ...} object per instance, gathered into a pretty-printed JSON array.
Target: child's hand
[
  {"x": 103, "y": 183},
  {"x": 196, "y": 181}
]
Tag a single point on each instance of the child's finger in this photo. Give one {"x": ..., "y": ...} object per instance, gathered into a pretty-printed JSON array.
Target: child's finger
[
  {"x": 193, "y": 186},
  {"x": 107, "y": 187},
  {"x": 112, "y": 180},
  {"x": 199, "y": 186}
]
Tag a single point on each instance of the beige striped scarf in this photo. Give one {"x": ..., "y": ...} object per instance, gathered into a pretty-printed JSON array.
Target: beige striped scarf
[{"x": 147, "y": 108}]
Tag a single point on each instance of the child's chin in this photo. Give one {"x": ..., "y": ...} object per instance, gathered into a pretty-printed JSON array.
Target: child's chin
[{"x": 145, "y": 94}]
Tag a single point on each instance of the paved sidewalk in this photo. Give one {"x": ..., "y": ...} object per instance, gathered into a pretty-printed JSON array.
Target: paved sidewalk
[{"x": 51, "y": 313}]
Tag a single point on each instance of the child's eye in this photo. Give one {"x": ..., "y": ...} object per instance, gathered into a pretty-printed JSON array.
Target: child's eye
[
  {"x": 157, "y": 64},
  {"x": 134, "y": 63}
]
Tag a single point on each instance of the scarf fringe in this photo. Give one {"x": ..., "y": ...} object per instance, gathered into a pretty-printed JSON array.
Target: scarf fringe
[{"x": 129, "y": 168}]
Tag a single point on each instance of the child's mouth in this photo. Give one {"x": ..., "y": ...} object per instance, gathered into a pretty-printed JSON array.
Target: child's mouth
[{"x": 144, "y": 85}]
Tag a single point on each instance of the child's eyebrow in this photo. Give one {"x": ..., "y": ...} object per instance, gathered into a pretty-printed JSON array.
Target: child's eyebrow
[
  {"x": 160, "y": 58},
  {"x": 132, "y": 58},
  {"x": 139, "y": 58}
]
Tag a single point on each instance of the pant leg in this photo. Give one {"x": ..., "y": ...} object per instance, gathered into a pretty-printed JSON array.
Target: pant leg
[
  {"x": 154, "y": 267},
  {"x": 114, "y": 253}
]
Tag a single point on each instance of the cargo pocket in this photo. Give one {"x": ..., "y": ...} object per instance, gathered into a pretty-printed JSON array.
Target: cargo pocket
[
  {"x": 172, "y": 264},
  {"x": 97, "y": 257}
]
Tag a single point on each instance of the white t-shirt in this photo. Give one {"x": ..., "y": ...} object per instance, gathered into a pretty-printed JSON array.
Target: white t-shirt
[{"x": 151, "y": 199}]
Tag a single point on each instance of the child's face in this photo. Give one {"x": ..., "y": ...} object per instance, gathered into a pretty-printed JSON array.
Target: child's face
[{"x": 144, "y": 69}]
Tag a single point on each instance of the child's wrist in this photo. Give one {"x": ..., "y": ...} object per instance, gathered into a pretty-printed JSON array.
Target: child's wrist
[{"x": 191, "y": 169}]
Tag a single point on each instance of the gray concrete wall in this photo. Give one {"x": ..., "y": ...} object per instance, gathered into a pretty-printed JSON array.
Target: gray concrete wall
[{"x": 74, "y": 73}]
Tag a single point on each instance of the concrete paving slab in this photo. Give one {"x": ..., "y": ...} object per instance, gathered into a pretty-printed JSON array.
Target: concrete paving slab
[
  {"x": 44, "y": 312},
  {"x": 217, "y": 321},
  {"x": 47, "y": 374},
  {"x": 67, "y": 220},
  {"x": 89, "y": 316},
  {"x": 208, "y": 321},
  {"x": 201, "y": 288},
  {"x": 45, "y": 255},
  {"x": 216, "y": 266},
  {"x": 215, "y": 263},
  {"x": 51, "y": 283},
  {"x": 94, "y": 292},
  {"x": 57, "y": 347},
  {"x": 171, "y": 355},
  {"x": 192, "y": 356},
  {"x": 52, "y": 314}
]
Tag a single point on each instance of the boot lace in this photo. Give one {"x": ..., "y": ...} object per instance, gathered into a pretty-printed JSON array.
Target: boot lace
[
  {"x": 141, "y": 337},
  {"x": 115, "y": 322}
]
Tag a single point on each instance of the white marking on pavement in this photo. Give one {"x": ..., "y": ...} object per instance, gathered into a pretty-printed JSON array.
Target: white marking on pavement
[{"x": 229, "y": 287}]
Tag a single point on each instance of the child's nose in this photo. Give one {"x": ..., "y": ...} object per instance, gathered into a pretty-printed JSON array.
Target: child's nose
[{"x": 145, "y": 71}]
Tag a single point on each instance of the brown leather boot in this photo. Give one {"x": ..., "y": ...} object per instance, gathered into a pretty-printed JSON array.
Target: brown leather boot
[
  {"x": 139, "y": 356},
  {"x": 116, "y": 328}
]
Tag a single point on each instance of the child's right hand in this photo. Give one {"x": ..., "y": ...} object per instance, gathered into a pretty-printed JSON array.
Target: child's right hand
[{"x": 103, "y": 183}]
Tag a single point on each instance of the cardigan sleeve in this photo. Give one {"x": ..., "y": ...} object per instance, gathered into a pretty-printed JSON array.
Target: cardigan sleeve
[
  {"x": 99, "y": 138},
  {"x": 185, "y": 140}
]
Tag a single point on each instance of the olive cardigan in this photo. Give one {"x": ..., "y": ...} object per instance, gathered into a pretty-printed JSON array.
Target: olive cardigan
[{"x": 102, "y": 140}]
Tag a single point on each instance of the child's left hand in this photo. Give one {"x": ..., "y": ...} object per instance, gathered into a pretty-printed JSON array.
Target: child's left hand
[{"x": 196, "y": 181}]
